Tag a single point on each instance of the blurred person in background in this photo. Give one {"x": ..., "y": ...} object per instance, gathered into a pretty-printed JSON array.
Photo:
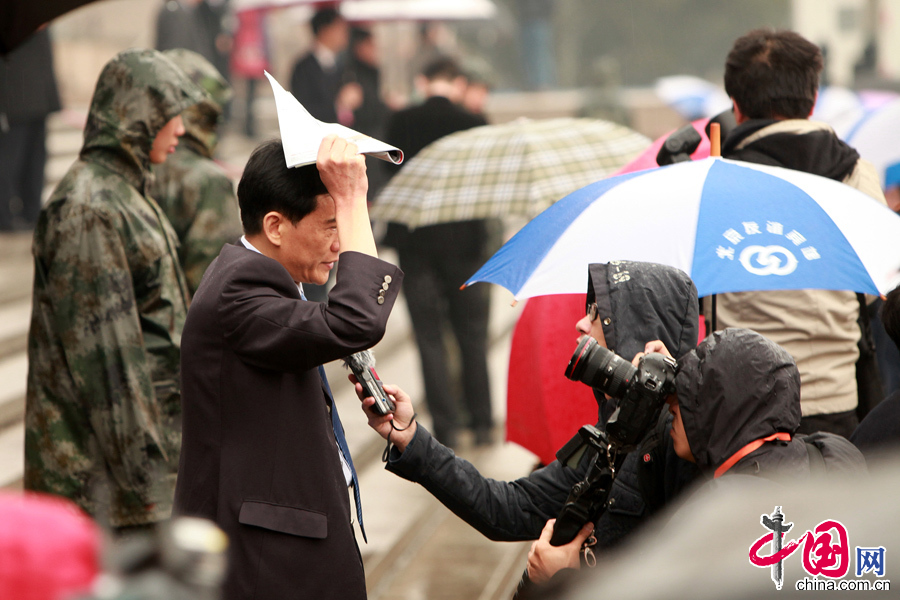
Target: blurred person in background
[
  {"x": 194, "y": 192},
  {"x": 437, "y": 259},
  {"x": 177, "y": 26},
  {"x": 215, "y": 20},
  {"x": 28, "y": 95},
  {"x": 371, "y": 116},
  {"x": 879, "y": 431},
  {"x": 250, "y": 59},
  {"x": 103, "y": 405},
  {"x": 478, "y": 89},
  {"x": 317, "y": 80},
  {"x": 772, "y": 78},
  {"x": 886, "y": 351},
  {"x": 197, "y": 25},
  {"x": 436, "y": 41}
]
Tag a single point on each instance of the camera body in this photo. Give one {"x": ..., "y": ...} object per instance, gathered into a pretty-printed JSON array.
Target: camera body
[
  {"x": 640, "y": 391},
  {"x": 679, "y": 146}
]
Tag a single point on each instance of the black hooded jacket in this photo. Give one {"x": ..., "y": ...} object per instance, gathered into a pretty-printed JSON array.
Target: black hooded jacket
[
  {"x": 819, "y": 151},
  {"x": 738, "y": 387},
  {"x": 638, "y": 302}
]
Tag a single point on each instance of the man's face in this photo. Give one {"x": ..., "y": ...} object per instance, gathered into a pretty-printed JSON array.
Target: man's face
[
  {"x": 335, "y": 36},
  {"x": 590, "y": 324},
  {"x": 310, "y": 247},
  {"x": 366, "y": 51},
  {"x": 165, "y": 141},
  {"x": 679, "y": 437}
]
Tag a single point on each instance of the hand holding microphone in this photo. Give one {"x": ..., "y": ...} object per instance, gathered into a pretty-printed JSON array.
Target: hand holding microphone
[{"x": 362, "y": 364}]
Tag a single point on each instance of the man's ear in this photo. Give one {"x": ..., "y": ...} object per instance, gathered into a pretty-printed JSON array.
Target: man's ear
[{"x": 272, "y": 227}]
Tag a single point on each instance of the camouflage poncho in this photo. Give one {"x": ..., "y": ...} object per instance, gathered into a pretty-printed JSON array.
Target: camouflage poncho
[
  {"x": 194, "y": 191},
  {"x": 109, "y": 303}
]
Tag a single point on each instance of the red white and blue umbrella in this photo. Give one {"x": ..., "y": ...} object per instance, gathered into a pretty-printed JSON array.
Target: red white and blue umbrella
[{"x": 732, "y": 226}]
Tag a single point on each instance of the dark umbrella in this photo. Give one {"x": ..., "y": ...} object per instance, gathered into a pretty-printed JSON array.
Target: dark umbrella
[{"x": 21, "y": 18}]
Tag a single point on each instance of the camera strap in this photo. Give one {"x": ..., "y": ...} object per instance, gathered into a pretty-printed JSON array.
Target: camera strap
[{"x": 781, "y": 435}]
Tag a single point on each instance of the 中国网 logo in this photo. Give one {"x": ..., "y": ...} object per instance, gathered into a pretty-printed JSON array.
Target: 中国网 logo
[{"x": 825, "y": 553}]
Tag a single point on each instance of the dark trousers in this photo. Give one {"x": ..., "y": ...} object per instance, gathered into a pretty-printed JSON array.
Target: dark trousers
[
  {"x": 436, "y": 261},
  {"x": 22, "y": 156}
]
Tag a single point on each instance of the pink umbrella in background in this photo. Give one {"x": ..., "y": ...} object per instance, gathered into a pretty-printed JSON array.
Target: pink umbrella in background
[{"x": 544, "y": 409}]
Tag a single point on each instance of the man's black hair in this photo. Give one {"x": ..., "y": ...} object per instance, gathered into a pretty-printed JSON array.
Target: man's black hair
[
  {"x": 442, "y": 68},
  {"x": 323, "y": 18},
  {"x": 359, "y": 35},
  {"x": 268, "y": 185},
  {"x": 890, "y": 315},
  {"x": 773, "y": 74}
]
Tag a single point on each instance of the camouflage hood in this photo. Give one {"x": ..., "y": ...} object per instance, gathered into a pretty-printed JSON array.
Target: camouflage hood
[
  {"x": 201, "y": 121},
  {"x": 138, "y": 92}
]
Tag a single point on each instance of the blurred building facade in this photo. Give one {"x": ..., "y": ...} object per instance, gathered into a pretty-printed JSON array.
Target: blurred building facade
[{"x": 605, "y": 53}]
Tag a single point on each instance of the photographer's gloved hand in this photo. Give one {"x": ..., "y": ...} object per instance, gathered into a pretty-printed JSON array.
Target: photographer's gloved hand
[
  {"x": 544, "y": 560},
  {"x": 404, "y": 428}
]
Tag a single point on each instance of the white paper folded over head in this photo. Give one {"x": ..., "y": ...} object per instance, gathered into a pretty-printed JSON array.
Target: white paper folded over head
[{"x": 301, "y": 133}]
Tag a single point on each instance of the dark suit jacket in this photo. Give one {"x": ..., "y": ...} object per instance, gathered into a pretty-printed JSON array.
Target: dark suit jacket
[
  {"x": 259, "y": 455},
  {"x": 317, "y": 89},
  {"x": 411, "y": 130},
  {"x": 414, "y": 128}
]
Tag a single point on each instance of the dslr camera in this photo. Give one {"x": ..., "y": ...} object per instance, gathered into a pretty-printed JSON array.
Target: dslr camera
[{"x": 640, "y": 393}]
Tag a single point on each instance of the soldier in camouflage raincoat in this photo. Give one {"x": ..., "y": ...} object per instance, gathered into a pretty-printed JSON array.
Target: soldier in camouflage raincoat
[
  {"x": 109, "y": 302},
  {"x": 194, "y": 191}
]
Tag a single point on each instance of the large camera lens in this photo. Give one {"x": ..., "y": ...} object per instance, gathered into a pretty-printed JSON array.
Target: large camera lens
[{"x": 600, "y": 368}]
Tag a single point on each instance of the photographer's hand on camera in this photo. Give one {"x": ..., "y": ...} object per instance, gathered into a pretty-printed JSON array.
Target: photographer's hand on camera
[
  {"x": 545, "y": 560},
  {"x": 403, "y": 429}
]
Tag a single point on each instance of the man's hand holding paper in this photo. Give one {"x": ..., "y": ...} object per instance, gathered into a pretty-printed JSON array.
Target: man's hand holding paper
[
  {"x": 301, "y": 133},
  {"x": 343, "y": 171}
]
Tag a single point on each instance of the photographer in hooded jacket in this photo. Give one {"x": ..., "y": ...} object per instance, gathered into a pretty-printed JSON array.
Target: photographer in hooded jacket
[{"x": 628, "y": 303}]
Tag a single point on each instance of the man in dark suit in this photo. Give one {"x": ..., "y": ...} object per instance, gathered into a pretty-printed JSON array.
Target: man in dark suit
[
  {"x": 263, "y": 453},
  {"x": 317, "y": 79},
  {"x": 438, "y": 259}
]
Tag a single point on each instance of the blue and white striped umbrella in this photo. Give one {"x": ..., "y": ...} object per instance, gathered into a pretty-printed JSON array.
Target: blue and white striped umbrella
[{"x": 732, "y": 226}]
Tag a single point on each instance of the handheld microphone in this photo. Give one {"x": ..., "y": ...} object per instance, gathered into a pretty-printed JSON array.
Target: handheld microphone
[{"x": 362, "y": 364}]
